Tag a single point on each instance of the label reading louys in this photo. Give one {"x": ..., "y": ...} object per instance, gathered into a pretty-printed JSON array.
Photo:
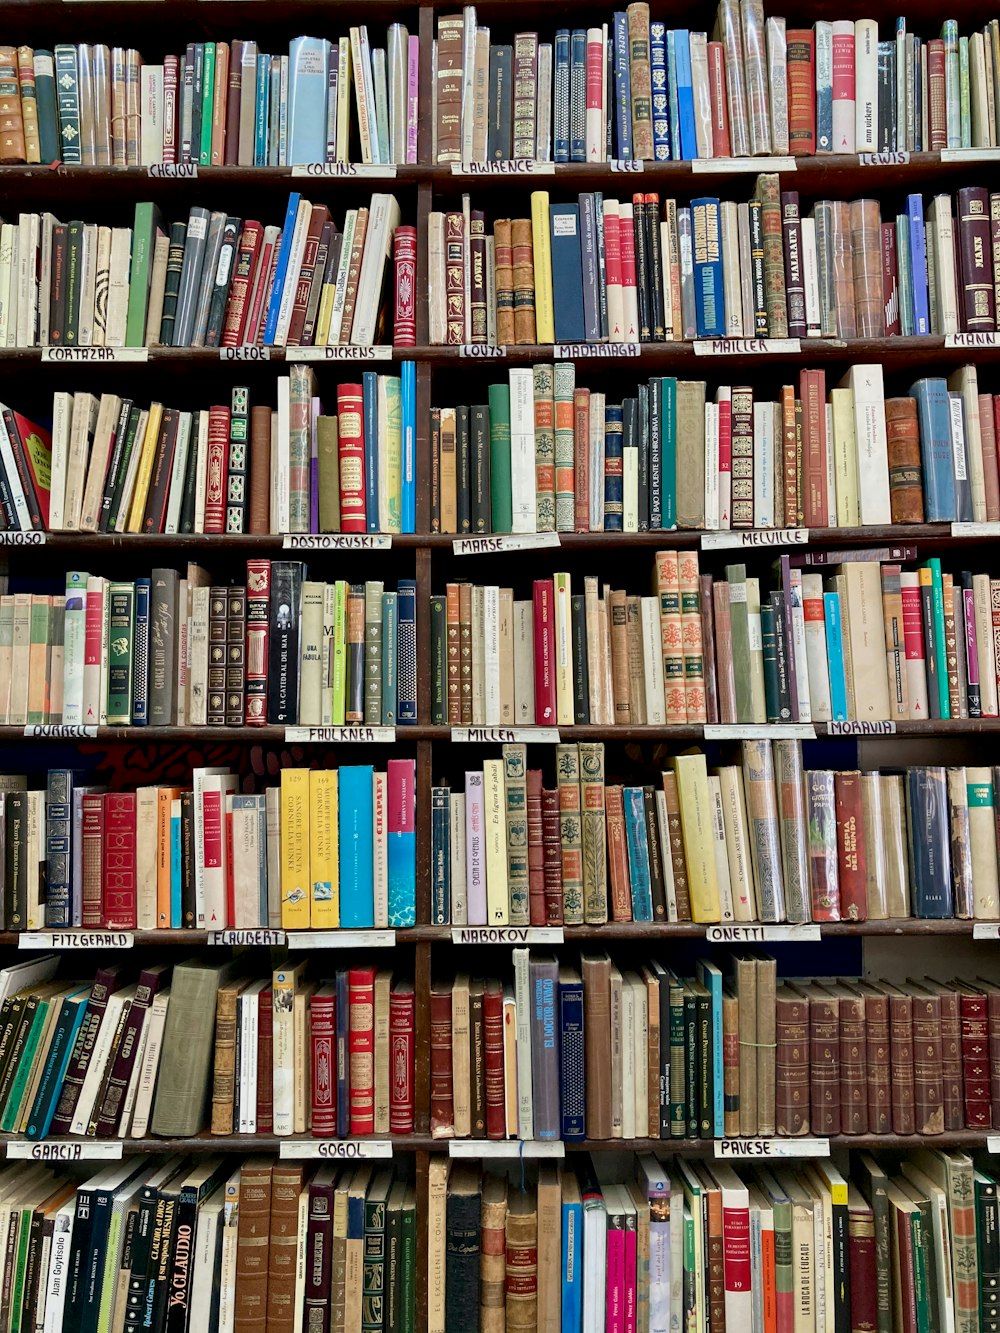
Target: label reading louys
[
  {"x": 481, "y": 352},
  {"x": 340, "y": 735},
  {"x": 75, "y": 939},
  {"x": 336, "y": 1149},
  {"x": 84, "y": 355},
  {"x": 507, "y": 935},
  {"x": 750, "y": 1148},
  {"x": 759, "y": 932},
  {"x": 506, "y": 735},
  {"x": 60, "y": 1150},
  {"x": 504, "y": 541},
  {"x": 337, "y": 541}
]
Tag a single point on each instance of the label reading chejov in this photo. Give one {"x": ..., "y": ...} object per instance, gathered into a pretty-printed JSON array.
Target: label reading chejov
[
  {"x": 790, "y": 1147},
  {"x": 173, "y": 171}
]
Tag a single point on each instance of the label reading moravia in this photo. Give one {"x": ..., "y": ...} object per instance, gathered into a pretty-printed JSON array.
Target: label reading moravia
[{"x": 880, "y": 728}]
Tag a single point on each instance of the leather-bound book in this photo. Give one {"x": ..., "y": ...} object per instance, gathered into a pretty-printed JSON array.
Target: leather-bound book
[
  {"x": 477, "y": 1059},
  {"x": 12, "y": 144},
  {"x": 319, "y": 1250},
  {"x": 549, "y": 1245},
  {"x": 596, "y": 970},
  {"x": 570, "y": 832},
  {"x": 991, "y": 466},
  {"x": 454, "y": 273},
  {"x": 449, "y": 88},
  {"x": 877, "y": 1057},
  {"x": 866, "y": 247},
  {"x": 676, "y": 848},
  {"x": 621, "y": 893},
  {"x": 853, "y": 1060},
  {"x": 265, "y": 1061},
  {"x": 851, "y": 849},
  {"x": 906, "y": 498},
  {"x": 861, "y": 1262},
  {"x": 795, "y": 289},
  {"x": 260, "y": 470},
  {"x": 745, "y": 972},
  {"x": 496, "y": 1119},
  {"x": 824, "y": 1059},
  {"x": 974, "y": 1010},
  {"x": 730, "y": 1064},
  {"x": 928, "y": 1079},
  {"x": 536, "y": 848},
  {"x": 901, "y": 1059},
  {"x": 493, "y": 1256},
  {"x": 462, "y": 1244},
  {"x": 224, "y": 1061},
  {"x": 522, "y": 1263},
  {"x": 552, "y": 854},
  {"x": 951, "y": 1054},
  {"x": 286, "y": 1186},
  {"x": 253, "y": 1245},
  {"x": 801, "y": 65},
  {"x": 503, "y": 280},
  {"x": 442, "y": 1104},
  {"x": 791, "y": 1080},
  {"x": 402, "y": 1092},
  {"x": 593, "y": 835},
  {"x": 523, "y": 267},
  {"x": 977, "y": 309},
  {"x": 769, "y": 191}
]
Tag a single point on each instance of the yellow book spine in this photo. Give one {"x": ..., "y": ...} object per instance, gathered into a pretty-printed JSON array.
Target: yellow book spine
[
  {"x": 545, "y": 328},
  {"x": 696, "y": 830},
  {"x": 325, "y": 314},
  {"x": 495, "y": 804},
  {"x": 146, "y": 460},
  {"x": 295, "y": 896},
  {"x": 324, "y": 853}
]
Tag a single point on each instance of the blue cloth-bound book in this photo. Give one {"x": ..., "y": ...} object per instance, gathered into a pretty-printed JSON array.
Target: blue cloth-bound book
[
  {"x": 835, "y": 656},
  {"x": 572, "y": 1257},
  {"x": 623, "y": 88},
  {"x": 571, "y": 1059},
  {"x": 918, "y": 263},
  {"x": 638, "y": 854},
  {"x": 308, "y": 79},
  {"x": 408, "y": 412},
  {"x": 406, "y": 651},
  {"x": 567, "y": 273},
  {"x": 661, "y": 93},
  {"x": 71, "y": 1015},
  {"x": 928, "y": 833},
  {"x": 672, "y": 99},
  {"x": 357, "y": 902},
  {"x": 560, "y": 99},
  {"x": 936, "y": 456},
  {"x": 685, "y": 95},
  {"x": 706, "y": 254},
  {"x": 543, "y": 976}
]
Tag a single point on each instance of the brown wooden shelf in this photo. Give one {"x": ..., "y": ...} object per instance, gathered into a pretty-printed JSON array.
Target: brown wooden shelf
[{"x": 241, "y": 1143}]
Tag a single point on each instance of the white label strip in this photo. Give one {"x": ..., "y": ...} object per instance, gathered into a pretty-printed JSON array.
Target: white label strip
[
  {"x": 506, "y": 1148},
  {"x": 751, "y": 1148},
  {"x": 76, "y": 939},
  {"x": 760, "y": 731},
  {"x": 713, "y": 166},
  {"x": 341, "y": 735},
  {"x": 61, "y": 1150},
  {"x": 507, "y": 935},
  {"x": 244, "y": 353},
  {"x": 972, "y": 339},
  {"x": 881, "y": 728},
  {"x": 517, "y": 166},
  {"x": 975, "y": 529},
  {"x": 173, "y": 171},
  {"x": 629, "y": 165},
  {"x": 246, "y": 937},
  {"x": 82, "y": 355},
  {"x": 338, "y": 353},
  {"x": 746, "y": 346},
  {"x": 739, "y": 537},
  {"x": 579, "y": 351},
  {"x": 59, "y": 730},
  {"x": 337, "y": 541},
  {"x": 986, "y": 930},
  {"x": 23, "y": 538},
  {"x": 341, "y": 939},
  {"x": 993, "y": 1143},
  {"x": 505, "y": 541},
  {"x": 338, "y": 1149},
  {"x": 482, "y": 352},
  {"x": 970, "y": 154},
  {"x": 373, "y": 170},
  {"x": 505, "y": 735},
  {"x": 884, "y": 159},
  {"x": 758, "y": 932}
]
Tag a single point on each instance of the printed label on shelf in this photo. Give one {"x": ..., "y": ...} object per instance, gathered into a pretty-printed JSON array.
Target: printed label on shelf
[
  {"x": 993, "y": 1143},
  {"x": 970, "y": 154},
  {"x": 972, "y": 340},
  {"x": 746, "y": 346},
  {"x": 340, "y": 735},
  {"x": 506, "y": 1148},
  {"x": 504, "y": 541},
  {"x": 760, "y": 932},
  {"x": 507, "y": 935},
  {"x": 482, "y": 352},
  {"x": 880, "y": 728},
  {"x": 85, "y": 354},
  {"x": 63, "y": 1150},
  {"x": 759, "y": 731},
  {"x": 729, "y": 538},
  {"x": 710, "y": 166},
  {"x": 32, "y": 538},
  {"x": 340, "y": 352},
  {"x": 884, "y": 159},
  {"x": 772, "y": 1147},
  {"x": 577, "y": 351},
  {"x": 986, "y": 930},
  {"x": 338, "y": 1149},
  {"x": 516, "y": 166},
  {"x": 75, "y": 939},
  {"x": 630, "y": 165},
  {"x": 975, "y": 529},
  {"x": 173, "y": 171},
  {"x": 337, "y": 541},
  {"x": 59, "y": 730},
  {"x": 375, "y": 170},
  {"x": 340, "y": 939},
  {"x": 246, "y": 937},
  {"x": 506, "y": 735},
  {"x": 244, "y": 353}
]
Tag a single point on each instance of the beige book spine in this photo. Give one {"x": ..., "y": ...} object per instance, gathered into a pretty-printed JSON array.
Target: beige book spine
[
  {"x": 460, "y": 1057},
  {"x": 495, "y": 811},
  {"x": 737, "y": 840},
  {"x": 982, "y": 835},
  {"x": 876, "y": 869},
  {"x": 383, "y": 986},
  {"x": 549, "y": 1246},
  {"x": 524, "y": 665},
  {"x": 437, "y": 1205},
  {"x": 867, "y": 632},
  {"x": 617, "y": 1054},
  {"x": 985, "y": 644},
  {"x": 506, "y": 635}
]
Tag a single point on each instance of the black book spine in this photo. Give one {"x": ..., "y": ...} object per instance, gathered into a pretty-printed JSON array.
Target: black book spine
[
  {"x": 657, "y": 315},
  {"x": 17, "y": 1048},
  {"x": 7, "y": 501},
  {"x": 463, "y": 469},
  {"x": 781, "y": 656},
  {"x": 643, "y": 443},
  {"x": 498, "y": 142},
  {"x": 480, "y": 465},
  {"x": 186, "y": 522},
  {"x": 760, "y": 325},
  {"x": 172, "y": 282},
  {"x": 73, "y": 280},
  {"x": 15, "y": 853},
  {"x": 158, "y": 1279},
  {"x": 462, "y": 1259},
  {"x": 57, "y": 286},
  {"x": 642, "y": 287},
  {"x": 795, "y": 288},
  {"x": 664, "y": 994},
  {"x": 989, "y": 1254},
  {"x": 17, "y": 448},
  {"x": 691, "y": 1063},
  {"x": 79, "y": 1248},
  {"x": 189, "y": 910},
  {"x": 116, "y": 476},
  {"x": 657, "y": 887},
  {"x": 163, "y": 648},
  {"x": 223, "y": 277},
  {"x": 283, "y": 672},
  {"x": 142, "y": 1241},
  {"x": 655, "y": 457},
  {"x": 769, "y": 651},
  {"x": 581, "y": 666},
  {"x": 886, "y": 97}
]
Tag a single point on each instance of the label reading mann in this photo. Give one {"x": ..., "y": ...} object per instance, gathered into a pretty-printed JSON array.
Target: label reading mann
[
  {"x": 790, "y": 1147},
  {"x": 76, "y": 939},
  {"x": 337, "y": 541},
  {"x": 507, "y": 935},
  {"x": 85, "y": 355},
  {"x": 247, "y": 938},
  {"x": 56, "y": 1150},
  {"x": 972, "y": 340},
  {"x": 759, "y": 932},
  {"x": 504, "y": 541},
  {"x": 334, "y": 1149},
  {"x": 749, "y": 537},
  {"x": 340, "y": 735},
  {"x": 746, "y": 346},
  {"x": 338, "y": 353},
  {"x": 32, "y": 538}
]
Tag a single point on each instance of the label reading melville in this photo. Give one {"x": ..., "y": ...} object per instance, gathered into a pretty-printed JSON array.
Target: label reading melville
[
  {"x": 337, "y": 541},
  {"x": 790, "y": 1147},
  {"x": 504, "y": 541},
  {"x": 340, "y": 735},
  {"x": 84, "y": 355},
  {"x": 61, "y": 1150},
  {"x": 749, "y": 537},
  {"x": 759, "y": 932},
  {"x": 505, "y": 735},
  {"x": 76, "y": 939},
  {"x": 335, "y": 1149},
  {"x": 507, "y": 935},
  {"x": 341, "y": 352}
]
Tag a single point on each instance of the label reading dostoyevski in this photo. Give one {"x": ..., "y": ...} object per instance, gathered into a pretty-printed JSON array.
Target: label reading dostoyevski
[
  {"x": 334, "y": 1149},
  {"x": 340, "y": 735},
  {"x": 746, "y": 346},
  {"x": 507, "y": 935},
  {"x": 32, "y": 538},
  {"x": 339, "y": 353},
  {"x": 247, "y": 938},
  {"x": 580, "y": 351},
  {"x": 790, "y": 1147},
  {"x": 759, "y": 932},
  {"x": 85, "y": 355},
  {"x": 373, "y": 170},
  {"x": 505, "y": 735},
  {"x": 515, "y": 166},
  {"x": 57, "y": 1150},
  {"x": 504, "y": 541},
  {"x": 337, "y": 541},
  {"x": 749, "y": 537},
  {"x": 76, "y": 939}
]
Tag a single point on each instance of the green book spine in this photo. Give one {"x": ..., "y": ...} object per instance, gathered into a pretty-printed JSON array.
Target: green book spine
[
  {"x": 920, "y": 1245},
  {"x": 121, "y": 633},
  {"x": 691, "y": 1061},
  {"x": 784, "y": 1282},
  {"x": 389, "y": 620},
  {"x": 207, "y": 105},
  {"x": 20, "y": 1268},
  {"x": 138, "y": 287},
  {"x": 501, "y": 504},
  {"x": 937, "y": 590},
  {"x": 112, "y": 1258},
  {"x": 439, "y": 683},
  {"x": 373, "y": 654},
  {"x": 373, "y": 1284},
  {"x": 25, "y": 1059},
  {"x": 408, "y": 1302},
  {"x": 905, "y": 282},
  {"x": 668, "y": 450},
  {"x": 769, "y": 644}
]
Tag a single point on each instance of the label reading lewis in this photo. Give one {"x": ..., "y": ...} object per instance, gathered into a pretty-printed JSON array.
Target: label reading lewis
[
  {"x": 340, "y": 735},
  {"x": 504, "y": 541},
  {"x": 334, "y": 1149},
  {"x": 32, "y": 538},
  {"x": 505, "y": 735},
  {"x": 76, "y": 939},
  {"x": 739, "y": 537},
  {"x": 507, "y": 935},
  {"x": 59, "y": 1150},
  {"x": 337, "y": 541},
  {"x": 84, "y": 355},
  {"x": 884, "y": 159},
  {"x": 338, "y": 353},
  {"x": 791, "y": 1147}
]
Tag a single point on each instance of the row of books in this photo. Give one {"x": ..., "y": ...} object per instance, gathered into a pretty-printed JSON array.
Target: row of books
[
  {"x": 214, "y": 1242},
  {"x": 764, "y": 839},
  {"x": 210, "y": 280},
  {"x": 624, "y": 273},
  {"x": 630, "y": 88},
  {"x": 641, "y": 1052},
  {"x": 161, "y": 1052},
  {"x": 660, "y": 1242},
  {"x": 324, "y": 848},
  {"x": 218, "y": 104}
]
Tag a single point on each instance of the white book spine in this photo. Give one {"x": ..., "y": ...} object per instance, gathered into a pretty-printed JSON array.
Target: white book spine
[
  {"x": 810, "y": 274},
  {"x": 873, "y": 454},
  {"x": 652, "y": 656},
  {"x": 595, "y": 135},
  {"x": 203, "y": 1268},
  {"x": 732, "y": 270},
  {"x": 249, "y": 1026},
  {"x": 916, "y": 672},
  {"x": 178, "y": 477},
  {"x": 121, "y": 250},
  {"x": 457, "y": 809},
  {"x": 722, "y": 873},
  {"x": 227, "y": 1279},
  {"x": 763, "y": 465},
  {"x": 94, "y": 1076},
  {"x": 628, "y": 1128},
  {"x": 475, "y": 850},
  {"x": 151, "y": 115},
  {"x": 522, "y": 449},
  {"x": 88, "y": 286},
  {"x": 959, "y": 451},
  {"x": 58, "y": 1270},
  {"x": 816, "y": 659},
  {"x": 291, "y": 282},
  {"x": 45, "y": 271},
  {"x": 283, "y": 1110},
  {"x": 522, "y": 999},
  {"x": 746, "y": 267},
  {"x": 543, "y": 104},
  {"x": 663, "y": 827},
  {"x": 563, "y": 618},
  {"x": 630, "y": 489},
  {"x": 712, "y": 474},
  {"x": 26, "y": 280},
  {"x": 62, "y": 416},
  {"x": 524, "y": 668},
  {"x": 843, "y": 82},
  {"x": 132, "y": 1090},
  {"x": 799, "y": 646},
  {"x": 281, "y": 472},
  {"x": 866, "y": 86}
]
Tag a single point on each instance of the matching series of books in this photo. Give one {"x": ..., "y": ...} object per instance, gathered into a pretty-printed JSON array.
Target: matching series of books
[
  {"x": 216, "y": 1242},
  {"x": 218, "y": 104},
  {"x": 761, "y": 840},
  {"x": 210, "y": 280},
  {"x": 174, "y": 1049},
  {"x": 877, "y": 1241},
  {"x": 631, "y": 272}
]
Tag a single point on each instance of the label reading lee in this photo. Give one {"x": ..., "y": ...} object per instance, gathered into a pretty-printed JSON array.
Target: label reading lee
[
  {"x": 515, "y": 166},
  {"x": 378, "y": 170},
  {"x": 975, "y": 529},
  {"x": 986, "y": 930},
  {"x": 631, "y": 166},
  {"x": 791, "y": 1147},
  {"x": 244, "y": 353},
  {"x": 173, "y": 171},
  {"x": 505, "y": 735},
  {"x": 482, "y": 352},
  {"x": 336, "y": 1149},
  {"x": 59, "y": 730},
  {"x": 760, "y": 731},
  {"x": 504, "y": 541},
  {"x": 32, "y": 538},
  {"x": 76, "y": 939},
  {"x": 340, "y": 352},
  {"x": 759, "y": 932},
  {"x": 746, "y": 346},
  {"x": 337, "y": 541},
  {"x": 62, "y": 1150},
  {"x": 710, "y": 166},
  {"x": 506, "y": 1148},
  {"x": 972, "y": 340},
  {"x": 880, "y": 728},
  {"x": 884, "y": 159},
  {"x": 246, "y": 937},
  {"x": 84, "y": 355},
  {"x": 721, "y": 541},
  {"x": 507, "y": 935},
  {"x": 340, "y": 735},
  {"x": 577, "y": 351},
  {"x": 340, "y": 939}
]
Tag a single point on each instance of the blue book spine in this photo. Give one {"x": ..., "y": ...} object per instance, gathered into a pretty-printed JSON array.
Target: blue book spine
[
  {"x": 590, "y": 268},
  {"x": 706, "y": 247},
  {"x": 560, "y": 99},
  {"x": 406, "y": 651},
  {"x": 835, "y": 656},
  {"x": 58, "y": 847},
  {"x": 281, "y": 269},
  {"x": 308, "y": 77},
  {"x": 176, "y": 873},
  {"x": 47, "y": 1098},
  {"x": 567, "y": 273},
  {"x": 960, "y": 456},
  {"x": 440, "y": 856},
  {"x": 261, "y": 111},
  {"x": 638, "y": 854},
  {"x": 369, "y": 389},
  {"x": 675, "y": 112},
  {"x": 685, "y": 96},
  {"x": 918, "y": 263},
  {"x": 578, "y": 96},
  {"x": 613, "y": 465},
  {"x": 661, "y": 92},
  {"x": 824, "y": 88},
  {"x": 357, "y": 902},
  {"x": 711, "y": 978},
  {"x": 573, "y": 1097},
  {"x": 408, "y": 412},
  {"x": 929, "y": 837},
  {"x": 572, "y": 1275},
  {"x": 389, "y": 658},
  {"x": 937, "y": 460},
  {"x": 343, "y": 1054},
  {"x": 623, "y": 88},
  {"x": 668, "y": 451},
  {"x": 140, "y": 655}
]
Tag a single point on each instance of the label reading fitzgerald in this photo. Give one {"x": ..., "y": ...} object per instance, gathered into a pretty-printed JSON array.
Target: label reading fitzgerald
[
  {"x": 340, "y": 735},
  {"x": 790, "y": 1147},
  {"x": 87, "y": 354},
  {"x": 504, "y": 541},
  {"x": 32, "y": 538},
  {"x": 507, "y": 935},
  {"x": 337, "y": 541},
  {"x": 246, "y": 937},
  {"x": 336, "y": 1149},
  {"x": 76, "y": 939},
  {"x": 55, "y": 1150}
]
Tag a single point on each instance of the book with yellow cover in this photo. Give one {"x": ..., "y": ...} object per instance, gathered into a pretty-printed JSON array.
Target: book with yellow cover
[
  {"x": 545, "y": 328},
  {"x": 324, "y": 858},
  {"x": 147, "y": 457},
  {"x": 295, "y": 889},
  {"x": 696, "y": 830}
]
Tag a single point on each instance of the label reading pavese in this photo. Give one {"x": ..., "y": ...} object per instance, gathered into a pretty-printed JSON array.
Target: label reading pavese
[
  {"x": 504, "y": 541},
  {"x": 738, "y": 537},
  {"x": 32, "y": 538},
  {"x": 86, "y": 355},
  {"x": 337, "y": 541},
  {"x": 59, "y": 1150},
  {"x": 340, "y": 735},
  {"x": 76, "y": 939},
  {"x": 505, "y": 735},
  {"x": 334, "y": 1149},
  {"x": 340, "y": 939},
  {"x": 247, "y": 938},
  {"x": 759, "y": 932},
  {"x": 341, "y": 352},
  {"x": 790, "y": 1147},
  {"x": 507, "y": 935}
]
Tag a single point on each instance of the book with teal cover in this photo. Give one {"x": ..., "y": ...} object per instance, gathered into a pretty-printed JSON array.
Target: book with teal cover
[
  {"x": 614, "y": 430},
  {"x": 835, "y": 656},
  {"x": 572, "y": 1259},
  {"x": 204, "y": 148},
  {"x": 355, "y": 814},
  {"x": 308, "y": 78},
  {"x": 408, "y": 414},
  {"x": 937, "y": 603},
  {"x": 936, "y": 454},
  {"x": 638, "y": 854},
  {"x": 68, "y": 92},
  {"x": 711, "y": 978},
  {"x": 668, "y": 451},
  {"x": 501, "y": 502},
  {"x": 46, "y": 1098},
  {"x": 45, "y": 97}
]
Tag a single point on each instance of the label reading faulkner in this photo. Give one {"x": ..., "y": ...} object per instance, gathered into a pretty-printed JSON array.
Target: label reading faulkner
[
  {"x": 340, "y": 735},
  {"x": 758, "y": 932},
  {"x": 746, "y": 346},
  {"x": 791, "y": 1147},
  {"x": 507, "y": 935},
  {"x": 76, "y": 939},
  {"x": 721, "y": 541},
  {"x": 341, "y": 352},
  {"x": 86, "y": 355},
  {"x": 578, "y": 351},
  {"x": 337, "y": 541},
  {"x": 32, "y": 538},
  {"x": 341, "y": 1150},
  {"x": 55, "y": 1150},
  {"x": 504, "y": 541},
  {"x": 505, "y": 735}
]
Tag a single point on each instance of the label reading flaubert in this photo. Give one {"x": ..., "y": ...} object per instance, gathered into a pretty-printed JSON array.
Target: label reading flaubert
[
  {"x": 515, "y": 166},
  {"x": 507, "y": 935},
  {"x": 972, "y": 340},
  {"x": 504, "y": 541},
  {"x": 739, "y": 537},
  {"x": 340, "y": 939},
  {"x": 339, "y": 352},
  {"x": 713, "y": 166},
  {"x": 759, "y": 731},
  {"x": 505, "y": 735},
  {"x": 76, "y": 939},
  {"x": 481, "y": 352},
  {"x": 87, "y": 355},
  {"x": 244, "y": 353},
  {"x": 59, "y": 731},
  {"x": 506, "y": 1148},
  {"x": 338, "y": 170},
  {"x": 66, "y": 1150},
  {"x": 628, "y": 165},
  {"x": 760, "y": 932},
  {"x": 901, "y": 159},
  {"x": 747, "y": 346},
  {"x": 173, "y": 171},
  {"x": 337, "y": 541},
  {"x": 790, "y": 1147},
  {"x": 32, "y": 538},
  {"x": 340, "y": 735},
  {"x": 247, "y": 938},
  {"x": 581, "y": 351},
  {"x": 858, "y": 728},
  {"x": 340, "y": 1150}
]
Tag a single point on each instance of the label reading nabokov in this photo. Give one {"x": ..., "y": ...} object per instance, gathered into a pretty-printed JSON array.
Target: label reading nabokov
[
  {"x": 75, "y": 939},
  {"x": 337, "y": 541},
  {"x": 578, "y": 351},
  {"x": 32, "y": 538},
  {"x": 884, "y": 159},
  {"x": 515, "y": 166},
  {"x": 341, "y": 1150},
  {"x": 340, "y": 735},
  {"x": 244, "y": 353},
  {"x": 506, "y": 1148},
  {"x": 760, "y": 731},
  {"x": 507, "y": 935},
  {"x": 373, "y": 170},
  {"x": 340, "y": 939},
  {"x": 713, "y": 166},
  {"x": 881, "y": 728},
  {"x": 59, "y": 730},
  {"x": 972, "y": 340},
  {"x": 247, "y": 938},
  {"x": 481, "y": 352},
  {"x": 746, "y": 346},
  {"x": 505, "y": 735},
  {"x": 85, "y": 355},
  {"x": 628, "y": 165},
  {"x": 759, "y": 932},
  {"x": 340, "y": 352},
  {"x": 737, "y": 537},
  {"x": 57, "y": 1150},
  {"x": 790, "y": 1147},
  {"x": 173, "y": 171},
  {"x": 504, "y": 541}
]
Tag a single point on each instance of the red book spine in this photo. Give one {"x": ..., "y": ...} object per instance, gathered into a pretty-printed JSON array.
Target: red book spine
[
  {"x": 323, "y": 1058},
  {"x": 307, "y": 273},
  {"x": 402, "y": 1039},
  {"x": 719, "y": 98},
  {"x": 120, "y": 905},
  {"x": 975, "y": 1060},
  {"x": 545, "y": 651},
  {"x": 613, "y": 264},
  {"x": 879, "y": 1063},
  {"x": 233, "y": 93},
  {"x": 93, "y": 633},
  {"x": 552, "y": 854},
  {"x": 237, "y": 307},
  {"x": 536, "y": 849},
  {"x": 171, "y": 67},
  {"x": 824, "y": 1064},
  {"x": 812, "y": 390},
  {"x": 496, "y": 1102},
  {"x": 851, "y": 860},
  {"x": 861, "y": 1263},
  {"x": 404, "y": 325},
  {"x": 991, "y": 473},
  {"x": 351, "y": 445},
  {"x": 93, "y": 862},
  {"x": 212, "y": 829},
  {"x": 937, "y": 110},
  {"x": 215, "y": 487},
  {"x": 230, "y": 879},
  {"x": 993, "y": 1022},
  {"x": 951, "y": 1061},
  {"x": 890, "y": 278},
  {"x": 361, "y": 1049},
  {"x": 801, "y": 58},
  {"x": 901, "y": 1055},
  {"x": 595, "y": 87},
  {"x": 262, "y": 282},
  {"x": 265, "y": 1062},
  {"x": 442, "y": 1099},
  {"x": 736, "y": 1248},
  {"x": 626, "y": 245}
]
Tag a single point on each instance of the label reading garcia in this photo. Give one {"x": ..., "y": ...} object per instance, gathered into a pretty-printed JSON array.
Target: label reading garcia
[
  {"x": 340, "y": 352},
  {"x": 881, "y": 728},
  {"x": 575, "y": 351},
  {"x": 972, "y": 340},
  {"x": 746, "y": 346},
  {"x": 772, "y": 1147},
  {"x": 506, "y": 735},
  {"x": 506, "y": 1148},
  {"x": 76, "y": 939},
  {"x": 337, "y": 169},
  {"x": 507, "y": 935},
  {"x": 340, "y": 939},
  {"x": 504, "y": 541},
  {"x": 340, "y": 735},
  {"x": 187, "y": 171},
  {"x": 32, "y": 538},
  {"x": 337, "y": 541},
  {"x": 88, "y": 354},
  {"x": 757, "y": 932},
  {"x": 738, "y": 537},
  {"x": 59, "y": 1150},
  {"x": 245, "y": 937},
  {"x": 338, "y": 1149}
]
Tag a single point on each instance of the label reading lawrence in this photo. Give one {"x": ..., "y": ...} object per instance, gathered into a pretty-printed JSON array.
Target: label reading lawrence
[
  {"x": 507, "y": 935},
  {"x": 76, "y": 939},
  {"x": 516, "y": 166},
  {"x": 578, "y": 351},
  {"x": 746, "y": 346},
  {"x": 861, "y": 728},
  {"x": 244, "y": 353},
  {"x": 505, "y": 735},
  {"x": 504, "y": 541},
  {"x": 57, "y": 1150},
  {"x": 340, "y": 939},
  {"x": 340, "y": 735},
  {"x": 760, "y": 731},
  {"x": 790, "y": 1147},
  {"x": 336, "y": 1149},
  {"x": 22, "y": 538},
  {"x": 721, "y": 541},
  {"x": 373, "y": 170},
  {"x": 337, "y": 541},
  {"x": 506, "y": 1148},
  {"x": 481, "y": 352},
  {"x": 338, "y": 353},
  {"x": 758, "y": 932},
  {"x": 84, "y": 355},
  {"x": 246, "y": 937},
  {"x": 173, "y": 171}
]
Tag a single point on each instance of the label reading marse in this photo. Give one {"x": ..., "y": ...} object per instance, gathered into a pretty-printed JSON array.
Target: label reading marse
[{"x": 504, "y": 541}]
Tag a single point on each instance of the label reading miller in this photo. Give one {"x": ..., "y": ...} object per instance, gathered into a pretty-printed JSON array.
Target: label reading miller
[
  {"x": 84, "y": 355},
  {"x": 507, "y": 935},
  {"x": 790, "y": 1147},
  {"x": 76, "y": 939},
  {"x": 504, "y": 541},
  {"x": 57, "y": 1150},
  {"x": 341, "y": 352},
  {"x": 246, "y": 937},
  {"x": 737, "y": 537},
  {"x": 505, "y": 735},
  {"x": 337, "y": 541},
  {"x": 22, "y": 538},
  {"x": 758, "y": 932},
  {"x": 340, "y": 735},
  {"x": 336, "y": 1149},
  {"x": 746, "y": 346}
]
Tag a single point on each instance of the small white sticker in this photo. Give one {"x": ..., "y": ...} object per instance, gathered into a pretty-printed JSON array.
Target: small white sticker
[
  {"x": 85, "y": 355},
  {"x": 340, "y": 352},
  {"x": 341, "y": 939},
  {"x": 344, "y": 1150},
  {"x": 76, "y": 939},
  {"x": 247, "y": 937},
  {"x": 715, "y": 166},
  {"x": 337, "y": 541},
  {"x": 747, "y": 346},
  {"x": 371, "y": 170},
  {"x": 504, "y": 541},
  {"x": 790, "y": 1147},
  {"x": 760, "y": 731},
  {"x": 507, "y": 935},
  {"x": 506, "y": 1148},
  {"x": 340, "y": 735},
  {"x": 986, "y": 930},
  {"x": 505, "y": 735},
  {"x": 564, "y": 224},
  {"x": 62, "y": 1150}
]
